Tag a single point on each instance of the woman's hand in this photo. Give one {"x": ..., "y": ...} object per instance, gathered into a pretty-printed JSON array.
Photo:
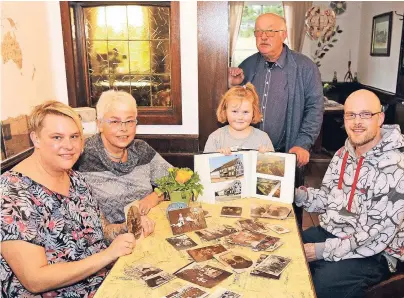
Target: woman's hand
[
  {"x": 225, "y": 151},
  {"x": 149, "y": 202},
  {"x": 122, "y": 245},
  {"x": 147, "y": 225}
]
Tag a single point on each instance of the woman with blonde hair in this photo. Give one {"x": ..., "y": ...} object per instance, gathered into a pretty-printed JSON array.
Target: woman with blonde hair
[
  {"x": 52, "y": 243},
  {"x": 239, "y": 107},
  {"x": 120, "y": 168}
]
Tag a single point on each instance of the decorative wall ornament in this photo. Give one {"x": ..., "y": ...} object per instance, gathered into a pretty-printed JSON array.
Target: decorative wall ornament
[
  {"x": 339, "y": 7},
  {"x": 320, "y": 27}
]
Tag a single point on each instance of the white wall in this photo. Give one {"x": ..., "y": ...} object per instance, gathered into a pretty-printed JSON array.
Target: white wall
[
  {"x": 39, "y": 34},
  {"x": 42, "y": 76},
  {"x": 380, "y": 72},
  {"x": 356, "y": 23},
  {"x": 337, "y": 57}
]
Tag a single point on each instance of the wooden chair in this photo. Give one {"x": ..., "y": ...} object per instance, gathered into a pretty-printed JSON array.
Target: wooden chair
[{"x": 392, "y": 288}]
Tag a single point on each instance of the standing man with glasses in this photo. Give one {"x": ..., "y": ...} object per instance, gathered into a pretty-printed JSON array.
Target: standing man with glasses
[
  {"x": 360, "y": 240},
  {"x": 290, "y": 90},
  {"x": 119, "y": 168}
]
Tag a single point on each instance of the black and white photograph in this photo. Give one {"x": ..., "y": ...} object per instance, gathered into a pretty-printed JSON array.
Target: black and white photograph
[
  {"x": 273, "y": 265},
  {"x": 151, "y": 275},
  {"x": 181, "y": 242},
  {"x": 238, "y": 262},
  {"x": 228, "y": 191},
  {"x": 224, "y": 168},
  {"x": 186, "y": 220},
  {"x": 188, "y": 291},
  {"x": 263, "y": 274}
]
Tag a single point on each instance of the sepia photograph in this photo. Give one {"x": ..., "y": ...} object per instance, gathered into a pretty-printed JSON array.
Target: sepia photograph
[
  {"x": 224, "y": 293},
  {"x": 269, "y": 211},
  {"x": 228, "y": 191},
  {"x": 151, "y": 275},
  {"x": 268, "y": 187},
  {"x": 278, "y": 229},
  {"x": 224, "y": 168},
  {"x": 273, "y": 265},
  {"x": 269, "y": 243},
  {"x": 245, "y": 238},
  {"x": 253, "y": 225},
  {"x": 181, "y": 242},
  {"x": 238, "y": 262},
  {"x": 203, "y": 275},
  {"x": 186, "y": 220},
  {"x": 206, "y": 253},
  {"x": 271, "y": 165},
  {"x": 228, "y": 211},
  {"x": 158, "y": 280},
  {"x": 216, "y": 232},
  {"x": 188, "y": 292},
  {"x": 263, "y": 274},
  {"x": 133, "y": 222}
]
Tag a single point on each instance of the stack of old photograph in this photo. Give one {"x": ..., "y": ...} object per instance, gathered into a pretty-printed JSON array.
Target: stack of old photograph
[{"x": 269, "y": 175}]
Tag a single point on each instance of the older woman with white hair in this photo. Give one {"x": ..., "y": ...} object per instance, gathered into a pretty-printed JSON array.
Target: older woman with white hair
[
  {"x": 119, "y": 168},
  {"x": 52, "y": 242}
]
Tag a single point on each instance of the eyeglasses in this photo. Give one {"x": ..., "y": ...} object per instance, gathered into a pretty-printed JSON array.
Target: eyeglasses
[
  {"x": 268, "y": 33},
  {"x": 116, "y": 124},
  {"x": 362, "y": 115}
]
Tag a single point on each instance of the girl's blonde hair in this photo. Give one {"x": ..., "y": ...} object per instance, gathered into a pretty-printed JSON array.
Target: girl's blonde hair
[
  {"x": 52, "y": 107},
  {"x": 246, "y": 92},
  {"x": 108, "y": 98}
]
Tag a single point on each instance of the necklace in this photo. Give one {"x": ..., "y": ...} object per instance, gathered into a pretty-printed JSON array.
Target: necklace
[{"x": 115, "y": 156}]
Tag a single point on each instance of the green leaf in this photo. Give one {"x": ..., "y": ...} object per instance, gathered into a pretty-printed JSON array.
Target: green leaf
[
  {"x": 326, "y": 50},
  {"x": 331, "y": 45},
  {"x": 334, "y": 40}
]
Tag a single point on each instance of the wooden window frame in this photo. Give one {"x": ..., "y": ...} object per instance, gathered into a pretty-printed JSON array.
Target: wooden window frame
[{"x": 78, "y": 81}]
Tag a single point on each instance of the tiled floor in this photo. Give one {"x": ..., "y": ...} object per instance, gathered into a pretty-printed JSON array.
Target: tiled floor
[{"x": 313, "y": 177}]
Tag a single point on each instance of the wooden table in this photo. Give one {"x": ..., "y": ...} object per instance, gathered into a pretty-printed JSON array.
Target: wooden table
[{"x": 295, "y": 281}]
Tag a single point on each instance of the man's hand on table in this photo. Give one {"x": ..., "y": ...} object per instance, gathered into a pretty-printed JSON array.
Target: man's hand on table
[{"x": 310, "y": 251}]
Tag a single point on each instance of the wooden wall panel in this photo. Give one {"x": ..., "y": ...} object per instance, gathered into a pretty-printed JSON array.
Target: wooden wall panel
[{"x": 213, "y": 39}]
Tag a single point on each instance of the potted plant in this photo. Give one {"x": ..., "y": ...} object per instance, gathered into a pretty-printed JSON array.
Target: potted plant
[{"x": 181, "y": 185}]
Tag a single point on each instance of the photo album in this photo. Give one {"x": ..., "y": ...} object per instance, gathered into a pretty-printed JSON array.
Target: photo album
[{"x": 269, "y": 175}]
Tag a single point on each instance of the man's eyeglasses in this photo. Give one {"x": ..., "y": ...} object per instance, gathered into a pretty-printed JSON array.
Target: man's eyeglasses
[
  {"x": 362, "y": 115},
  {"x": 268, "y": 33},
  {"x": 116, "y": 124}
]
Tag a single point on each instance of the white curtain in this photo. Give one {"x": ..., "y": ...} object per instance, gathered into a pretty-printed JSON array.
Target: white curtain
[
  {"x": 295, "y": 16},
  {"x": 235, "y": 14}
]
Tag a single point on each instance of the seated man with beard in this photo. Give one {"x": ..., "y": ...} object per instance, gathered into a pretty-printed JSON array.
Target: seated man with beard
[{"x": 360, "y": 240}]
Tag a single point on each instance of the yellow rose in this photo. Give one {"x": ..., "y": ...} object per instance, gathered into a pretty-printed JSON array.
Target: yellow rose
[{"x": 183, "y": 176}]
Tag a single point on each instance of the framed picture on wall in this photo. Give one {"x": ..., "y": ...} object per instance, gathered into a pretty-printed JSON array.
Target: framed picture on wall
[{"x": 381, "y": 34}]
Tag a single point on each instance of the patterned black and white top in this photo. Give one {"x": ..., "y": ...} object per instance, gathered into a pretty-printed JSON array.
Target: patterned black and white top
[
  {"x": 68, "y": 228},
  {"x": 115, "y": 184}
]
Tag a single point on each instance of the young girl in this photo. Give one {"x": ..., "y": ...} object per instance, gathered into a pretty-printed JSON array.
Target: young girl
[{"x": 239, "y": 107}]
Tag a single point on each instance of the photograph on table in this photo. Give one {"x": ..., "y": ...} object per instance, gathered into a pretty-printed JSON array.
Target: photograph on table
[
  {"x": 273, "y": 265},
  {"x": 181, "y": 242},
  {"x": 225, "y": 168},
  {"x": 151, "y": 275},
  {"x": 205, "y": 253},
  {"x": 270, "y": 211},
  {"x": 269, "y": 243},
  {"x": 268, "y": 187},
  {"x": 203, "y": 275},
  {"x": 186, "y": 220},
  {"x": 228, "y": 191},
  {"x": 216, "y": 232},
  {"x": 278, "y": 229},
  {"x": 253, "y": 225},
  {"x": 271, "y": 165},
  {"x": 133, "y": 222},
  {"x": 188, "y": 291},
  {"x": 224, "y": 293},
  {"x": 263, "y": 274},
  {"x": 245, "y": 238},
  {"x": 230, "y": 211},
  {"x": 238, "y": 262}
]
